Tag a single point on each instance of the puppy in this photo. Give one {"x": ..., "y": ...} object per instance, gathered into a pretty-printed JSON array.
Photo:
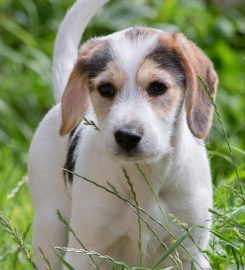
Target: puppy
[{"x": 140, "y": 87}]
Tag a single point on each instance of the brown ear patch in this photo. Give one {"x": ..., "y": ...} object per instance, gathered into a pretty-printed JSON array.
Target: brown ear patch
[
  {"x": 75, "y": 100},
  {"x": 195, "y": 64},
  {"x": 198, "y": 104}
]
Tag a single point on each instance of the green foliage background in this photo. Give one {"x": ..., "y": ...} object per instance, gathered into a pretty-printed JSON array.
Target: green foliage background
[{"x": 27, "y": 33}]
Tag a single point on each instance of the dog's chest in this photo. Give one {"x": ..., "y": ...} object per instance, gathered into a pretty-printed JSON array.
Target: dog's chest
[{"x": 114, "y": 191}]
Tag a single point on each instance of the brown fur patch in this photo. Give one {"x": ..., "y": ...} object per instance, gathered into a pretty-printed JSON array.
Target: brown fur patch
[
  {"x": 112, "y": 74},
  {"x": 166, "y": 58},
  {"x": 150, "y": 72}
]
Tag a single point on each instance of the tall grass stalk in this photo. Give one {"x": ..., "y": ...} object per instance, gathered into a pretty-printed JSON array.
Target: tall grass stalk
[
  {"x": 153, "y": 194},
  {"x": 172, "y": 248},
  {"x": 138, "y": 215},
  {"x": 45, "y": 259},
  {"x": 13, "y": 233},
  {"x": 93, "y": 253},
  {"x": 69, "y": 228},
  {"x": 208, "y": 92},
  {"x": 15, "y": 191}
]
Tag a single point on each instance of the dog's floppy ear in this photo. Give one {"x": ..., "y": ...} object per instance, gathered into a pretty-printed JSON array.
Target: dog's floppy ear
[
  {"x": 198, "y": 105},
  {"x": 75, "y": 99}
]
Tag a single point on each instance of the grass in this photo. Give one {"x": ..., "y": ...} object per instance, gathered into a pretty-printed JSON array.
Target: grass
[{"x": 27, "y": 30}]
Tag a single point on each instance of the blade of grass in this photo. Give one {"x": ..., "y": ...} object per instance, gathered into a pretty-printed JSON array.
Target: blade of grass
[
  {"x": 154, "y": 194},
  {"x": 63, "y": 220},
  {"x": 18, "y": 249},
  {"x": 229, "y": 220},
  {"x": 227, "y": 241},
  {"x": 47, "y": 263},
  {"x": 64, "y": 261},
  {"x": 14, "y": 191},
  {"x": 93, "y": 253},
  {"x": 88, "y": 122},
  {"x": 235, "y": 258},
  {"x": 138, "y": 215},
  {"x": 172, "y": 248}
]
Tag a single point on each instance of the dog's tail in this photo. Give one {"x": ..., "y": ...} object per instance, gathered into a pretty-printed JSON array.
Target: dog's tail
[{"x": 68, "y": 39}]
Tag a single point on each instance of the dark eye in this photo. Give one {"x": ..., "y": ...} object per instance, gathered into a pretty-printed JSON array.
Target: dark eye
[
  {"x": 157, "y": 88},
  {"x": 106, "y": 90}
]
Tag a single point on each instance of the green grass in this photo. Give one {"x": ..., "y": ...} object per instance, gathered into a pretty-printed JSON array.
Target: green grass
[{"x": 27, "y": 32}]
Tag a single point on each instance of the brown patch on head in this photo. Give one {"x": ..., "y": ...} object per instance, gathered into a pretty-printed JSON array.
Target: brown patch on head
[
  {"x": 113, "y": 75},
  {"x": 165, "y": 58},
  {"x": 150, "y": 72},
  {"x": 139, "y": 32},
  {"x": 75, "y": 99},
  {"x": 163, "y": 65}
]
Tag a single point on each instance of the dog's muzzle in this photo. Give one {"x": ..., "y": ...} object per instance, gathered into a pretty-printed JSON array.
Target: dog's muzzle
[{"x": 128, "y": 139}]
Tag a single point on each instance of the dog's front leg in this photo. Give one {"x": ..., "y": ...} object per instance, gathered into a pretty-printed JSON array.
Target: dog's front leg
[
  {"x": 102, "y": 223},
  {"x": 193, "y": 250}
]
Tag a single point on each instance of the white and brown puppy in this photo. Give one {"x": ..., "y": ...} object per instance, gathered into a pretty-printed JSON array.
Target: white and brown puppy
[{"x": 140, "y": 86}]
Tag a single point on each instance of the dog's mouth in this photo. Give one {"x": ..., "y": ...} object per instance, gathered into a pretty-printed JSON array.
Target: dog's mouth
[
  {"x": 136, "y": 156},
  {"x": 129, "y": 156}
]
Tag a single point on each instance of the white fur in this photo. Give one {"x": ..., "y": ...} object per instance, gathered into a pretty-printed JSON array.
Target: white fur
[{"x": 172, "y": 159}]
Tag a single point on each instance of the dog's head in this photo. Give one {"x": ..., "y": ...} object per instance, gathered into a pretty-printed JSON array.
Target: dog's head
[{"x": 137, "y": 81}]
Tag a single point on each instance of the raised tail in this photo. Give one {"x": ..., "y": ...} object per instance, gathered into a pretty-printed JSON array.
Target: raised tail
[{"x": 68, "y": 40}]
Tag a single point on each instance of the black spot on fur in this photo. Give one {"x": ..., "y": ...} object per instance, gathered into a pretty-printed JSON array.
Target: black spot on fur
[
  {"x": 98, "y": 61},
  {"x": 70, "y": 157},
  {"x": 168, "y": 59}
]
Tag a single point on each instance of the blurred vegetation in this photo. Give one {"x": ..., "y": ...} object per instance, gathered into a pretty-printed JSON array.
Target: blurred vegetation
[{"x": 27, "y": 33}]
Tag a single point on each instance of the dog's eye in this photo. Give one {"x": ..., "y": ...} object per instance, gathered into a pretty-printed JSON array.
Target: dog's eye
[
  {"x": 106, "y": 90},
  {"x": 157, "y": 88}
]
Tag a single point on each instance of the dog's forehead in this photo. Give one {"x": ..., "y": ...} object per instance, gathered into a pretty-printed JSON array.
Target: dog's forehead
[
  {"x": 130, "y": 49},
  {"x": 131, "y": 46}
]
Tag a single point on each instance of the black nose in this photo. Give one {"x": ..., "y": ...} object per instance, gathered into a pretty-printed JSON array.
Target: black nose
[{"x": 128, "y": 139}]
